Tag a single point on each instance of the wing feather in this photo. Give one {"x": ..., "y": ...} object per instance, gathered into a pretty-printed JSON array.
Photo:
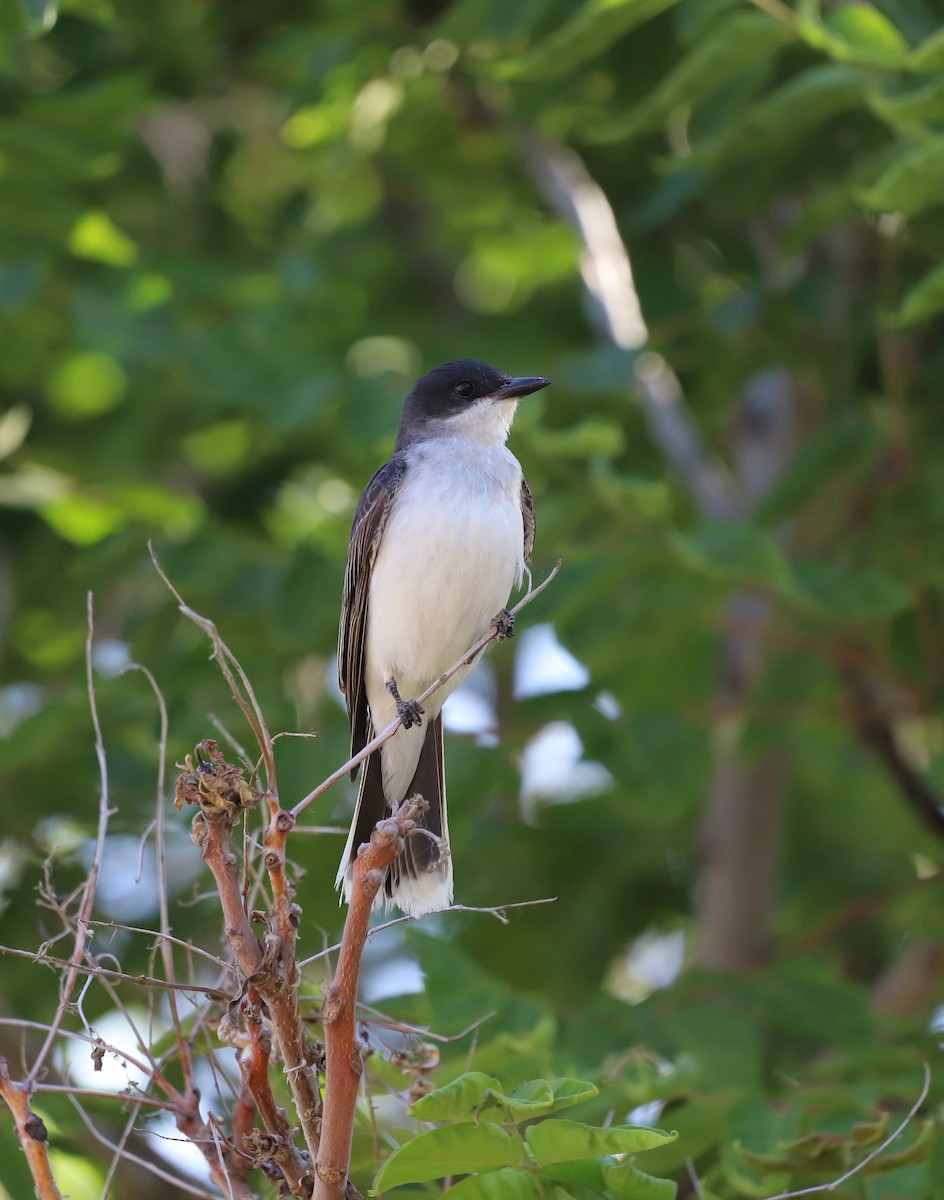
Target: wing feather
[
  {"x": 527, "y": 515},
  {"x": 373, "y": 509}
]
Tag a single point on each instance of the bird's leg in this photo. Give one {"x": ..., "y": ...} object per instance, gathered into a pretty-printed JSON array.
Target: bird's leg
[
  {"x": 410, "y": 712},
  {"x": 504, "y": 624}
]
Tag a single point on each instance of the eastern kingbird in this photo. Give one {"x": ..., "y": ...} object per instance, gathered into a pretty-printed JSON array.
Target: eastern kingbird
[{"x": 440, "y": 537}]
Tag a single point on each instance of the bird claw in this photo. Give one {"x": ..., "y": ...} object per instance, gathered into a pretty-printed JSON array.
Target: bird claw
[
  {"x": 504, "y": 624},
  {"x": 410, "y": 712}
]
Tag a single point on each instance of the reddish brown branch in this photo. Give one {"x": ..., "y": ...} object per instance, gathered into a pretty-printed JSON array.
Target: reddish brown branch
[
  {"x": 343, "y": 1065},
  {"x": 270, "y": 967},
  {"x": 32, "y": 1134},
  {"x": 275, "y": 1147}
]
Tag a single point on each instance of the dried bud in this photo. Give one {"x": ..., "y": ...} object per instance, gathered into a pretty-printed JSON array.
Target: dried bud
[{"x": 214, "y": 785}]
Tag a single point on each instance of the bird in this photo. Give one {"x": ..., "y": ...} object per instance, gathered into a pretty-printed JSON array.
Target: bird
[{"x": 439, "y": 539}]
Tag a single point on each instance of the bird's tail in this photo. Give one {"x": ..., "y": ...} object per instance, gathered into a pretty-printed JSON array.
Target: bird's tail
[{"x": 419, "y": 880}]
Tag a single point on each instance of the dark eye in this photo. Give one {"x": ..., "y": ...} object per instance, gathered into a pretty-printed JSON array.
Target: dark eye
[{"x": 465, "y": 389}]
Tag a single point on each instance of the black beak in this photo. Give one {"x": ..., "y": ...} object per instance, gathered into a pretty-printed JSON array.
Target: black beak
[{"x": 523, "y": 385}]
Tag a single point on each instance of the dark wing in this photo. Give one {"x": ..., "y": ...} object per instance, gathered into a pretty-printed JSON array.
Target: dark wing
[
  {"x": 373, "y": 509},
  {"x": 527, "y": 515}
]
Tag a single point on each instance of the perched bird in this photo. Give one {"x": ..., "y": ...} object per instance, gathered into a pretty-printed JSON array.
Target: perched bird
[{"x": 440, "y": 537}]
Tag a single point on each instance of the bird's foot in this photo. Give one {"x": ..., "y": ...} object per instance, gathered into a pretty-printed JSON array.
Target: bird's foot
[
  {"x": 504, "y": 624},
  {"x": 410, "y": 712}
]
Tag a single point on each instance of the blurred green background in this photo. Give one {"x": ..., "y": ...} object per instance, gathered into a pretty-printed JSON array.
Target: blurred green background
[{"x": 231, "y": 235}]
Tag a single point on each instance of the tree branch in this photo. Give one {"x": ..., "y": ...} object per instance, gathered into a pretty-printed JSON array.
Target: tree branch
[
  {"x": 32, "y": 1134},
  {"x": 343, "y": 1064}
]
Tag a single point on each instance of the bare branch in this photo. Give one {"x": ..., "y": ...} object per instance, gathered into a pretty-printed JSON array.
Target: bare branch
[
  {"x": 91, "y": 882},
  {"x": 343, "y": 1063},
  {"x": 94, "y": 969},
  {"x": 32, "y": 1134},
  {"x": 242, "y": 692}
]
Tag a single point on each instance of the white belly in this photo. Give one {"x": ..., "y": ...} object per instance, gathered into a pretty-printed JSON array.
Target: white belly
[{"x": 451, "y": 552}]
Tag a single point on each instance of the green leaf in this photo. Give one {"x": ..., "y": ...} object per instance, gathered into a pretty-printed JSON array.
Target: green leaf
[
  {"x": 568, "y": 1092},
  {"x": 870, "y": 33},
  {"x": 506, "y": 1184},
  {"x": 843, "y": 595},
  {"x": 781, "y": 118},
  {"x": 843, "y": 446},
  {"x": 734, "y": 551},
  {"x": 86, "y": 384},
  {"x": 625, "y": 1182},
  {"x": 96, "y": 236},
  {"x": 555, "y": 1141},
  {"x": 919, "y": 1151},
  {"x": 591, "y": 30},
  {"x": 736, "y": 43},
  {"x": 459, "y": 1100},
  {"x": 528, "y": 1100},
  {"x": 855, "y": 33},
  {"x": 577, "y": 1174},
  {"x": 924, "y": 300},
  {"x": 451, "y": 1150},
  {"x": 929, "y": 56},
  {"x": 912, "y": 181},
  {"x": 911, "y": 112}
]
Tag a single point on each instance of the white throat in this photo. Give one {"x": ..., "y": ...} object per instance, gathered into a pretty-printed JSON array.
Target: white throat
[{"x": 486, "y": 421}]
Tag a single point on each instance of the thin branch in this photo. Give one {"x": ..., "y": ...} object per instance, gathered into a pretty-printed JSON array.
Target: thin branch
[
  {"x": 388, "y": 732},
  {"x": 695, "y": 1181},
  {"x": 876, "y": 730},
  {"x": 169, "y": 937},
  {"x": 228, "y": 663},
  {"x": 32, "y": 1134},
  {"x": 166, "y": 952},
  {"x": 91, "y": 882},
  {"x": 92, "y": 968},
  {"x": 497, "y": 911},
  {"x": 138, "y": 1098},
  {"x": 818, "y": 1188},
  {"x": 176, "y": 1182}
]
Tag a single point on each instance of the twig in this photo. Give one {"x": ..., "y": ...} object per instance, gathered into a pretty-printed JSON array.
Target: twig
[
  {"x": 254, "y": 1071},
  {"x": 870, "y": 1157},
  {"x": 91, "y": 882},
  {"x": 388, "y": 732},
  {"x": 343, "y": 1064},
  {"x": 136, "y": 1098},
  {"x": 497, "y": 911},
  {"x": 695, "y": 1181},
  {"x": 166, "y": 952},
  {"x": 876, "y": 730},
  {"x": 32, "y": 1134},
  {"x": 158, "y": 936},
  {"x": 228, "y": 663},
  {"x": 182, "y": 1184},
  {"x": 265, "y": 972},
  {"x": 92, "y": 968}
]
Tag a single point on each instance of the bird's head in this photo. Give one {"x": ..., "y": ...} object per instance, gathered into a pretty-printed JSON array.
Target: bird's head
[{"x": 465, "y": 398}]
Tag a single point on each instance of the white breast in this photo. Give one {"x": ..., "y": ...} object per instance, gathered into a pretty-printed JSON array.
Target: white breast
[{"x": 451, "y": 552}]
